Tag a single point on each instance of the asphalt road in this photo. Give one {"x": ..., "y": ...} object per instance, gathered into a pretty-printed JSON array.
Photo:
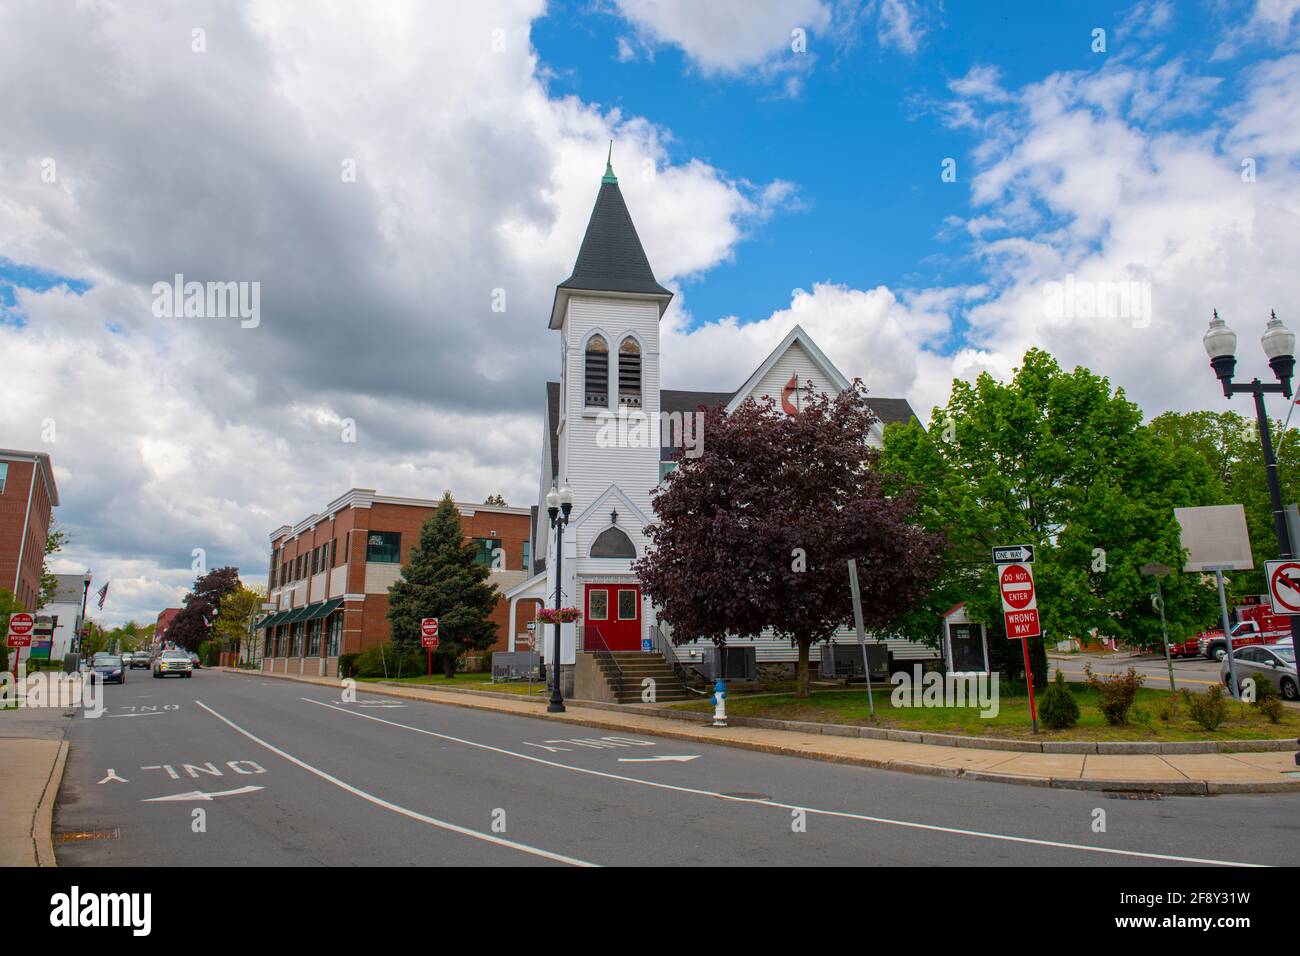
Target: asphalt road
[
  {"x": 225, "y": 769},
  {"x": 1194, "y": 673}
]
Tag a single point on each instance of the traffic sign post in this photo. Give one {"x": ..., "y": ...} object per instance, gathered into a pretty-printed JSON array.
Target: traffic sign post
[
  {"x": 429, "y": 638},
  {"x": 1014, "y": 554},
  {"x": 1283, "y": 579},
  {"x": 21, "y": 626},
  {"x": 1020, "y": 611}
]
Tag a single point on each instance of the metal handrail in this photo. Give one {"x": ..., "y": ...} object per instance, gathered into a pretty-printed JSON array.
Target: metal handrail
[
  {"x": 664, "y": 646},
  {"x": 603, "y": 653}
]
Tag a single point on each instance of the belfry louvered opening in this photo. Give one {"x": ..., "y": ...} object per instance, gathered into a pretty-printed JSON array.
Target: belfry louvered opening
[
  {"x": 629, "y": 373},
  {"x": 596, "y": 376}
]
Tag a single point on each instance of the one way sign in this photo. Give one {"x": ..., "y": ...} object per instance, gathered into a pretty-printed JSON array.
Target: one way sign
[
  {"x": 1014, "y": 554},
  {"x": 1283, "y": 585}
]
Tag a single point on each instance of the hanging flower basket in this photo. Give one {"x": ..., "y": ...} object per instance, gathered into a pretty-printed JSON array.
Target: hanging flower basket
[{"x": 563, "y": 615}]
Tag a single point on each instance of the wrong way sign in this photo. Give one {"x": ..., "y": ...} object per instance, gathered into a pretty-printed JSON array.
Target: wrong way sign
[
  {"x": 1283, "y": 579},
  {"x": 1019, "y": 601},
  {"x": 429, "y": 631},
  {"x": 21, "y": 626}
]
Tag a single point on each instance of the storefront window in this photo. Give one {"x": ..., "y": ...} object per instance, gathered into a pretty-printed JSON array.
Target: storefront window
[
  {"x": 336, "y": 633},
  {"x": 313, "y": 638},
  {"x": 384, "y": 547}
]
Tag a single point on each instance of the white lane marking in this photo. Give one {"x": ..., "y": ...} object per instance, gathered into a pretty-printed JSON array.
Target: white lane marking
[
  {"x": 657, "y": 759},
  {"x": 381, "y": 802},
  {"x": 790, "y": 806},
  {"x": 201, "y": 795},
  {"x": 151, "y": 713}
]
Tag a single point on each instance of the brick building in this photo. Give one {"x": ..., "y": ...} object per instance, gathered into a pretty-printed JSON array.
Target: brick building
[
  {"x": 28, "y": 496},
  {"x": 330, "y": 574}
]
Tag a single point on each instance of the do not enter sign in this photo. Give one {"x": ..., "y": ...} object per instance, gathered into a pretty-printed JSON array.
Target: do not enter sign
[
  {"x": 429, "y": 631},
  {"x": 21, "y": 625},
  {"x": 1019, "y": 602}
]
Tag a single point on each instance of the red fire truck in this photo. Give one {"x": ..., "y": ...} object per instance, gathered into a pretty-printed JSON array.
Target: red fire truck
[{"x": 1255, "y": 623}]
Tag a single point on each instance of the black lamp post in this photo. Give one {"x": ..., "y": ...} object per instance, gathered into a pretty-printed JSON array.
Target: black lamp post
[
  {"x": 558, "y": 505},
  {"x": 1279, "y": 345}
]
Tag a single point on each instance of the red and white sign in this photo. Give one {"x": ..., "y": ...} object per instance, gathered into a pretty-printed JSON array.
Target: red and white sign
[
  {"x": 1283, "y": 585},
  {"x": 21, "y": 625},
  {"x": 1019, "y": 601},
  {"x": 429, "y": 631}
]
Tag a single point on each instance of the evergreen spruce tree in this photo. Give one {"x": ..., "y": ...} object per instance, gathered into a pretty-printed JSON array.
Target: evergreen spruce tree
[{"x": 443, "y": 581}]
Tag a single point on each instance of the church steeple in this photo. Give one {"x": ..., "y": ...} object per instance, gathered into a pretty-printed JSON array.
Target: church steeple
[{"x": 610, "y": 258}]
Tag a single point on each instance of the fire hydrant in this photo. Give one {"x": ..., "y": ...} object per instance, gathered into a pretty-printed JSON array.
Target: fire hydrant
[{"x": 719, "y": 704}]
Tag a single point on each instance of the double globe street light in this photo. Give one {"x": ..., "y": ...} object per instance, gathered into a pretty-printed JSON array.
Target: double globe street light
[
  {"x": 1279, "y": 345},
  {"x": 558, "y": 505}
]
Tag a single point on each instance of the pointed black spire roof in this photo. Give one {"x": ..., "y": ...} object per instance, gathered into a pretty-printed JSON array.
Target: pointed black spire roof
[{"x": 611, "y": 258}]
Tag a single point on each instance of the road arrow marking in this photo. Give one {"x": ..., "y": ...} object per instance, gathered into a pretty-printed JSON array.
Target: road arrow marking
[
  {"x": 150, "y": 713},
  {"x": 200, "y": 795},
  {"x": 657, "y": 759}
]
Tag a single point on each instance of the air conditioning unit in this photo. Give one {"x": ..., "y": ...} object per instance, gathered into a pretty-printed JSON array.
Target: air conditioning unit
[
  {"x": 729, "y": 663},
  {"x": 844, "y": 661}
]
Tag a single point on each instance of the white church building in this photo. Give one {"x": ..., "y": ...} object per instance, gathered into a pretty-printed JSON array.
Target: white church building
[{"x": 607, "y": 316}]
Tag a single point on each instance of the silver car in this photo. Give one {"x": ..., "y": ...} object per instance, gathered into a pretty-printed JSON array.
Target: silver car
[{"x": 1266, "y": 663}]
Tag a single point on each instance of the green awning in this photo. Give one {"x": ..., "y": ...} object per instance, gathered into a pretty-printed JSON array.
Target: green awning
[
  {"x": 296, "y": 615},
  {"x": 270, "y": 620},
  {"x": 323, "y": 609}
]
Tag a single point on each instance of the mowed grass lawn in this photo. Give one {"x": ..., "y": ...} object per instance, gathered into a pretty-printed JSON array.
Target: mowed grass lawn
[
  {"x": 468, "y": 681},
  {"x": 1244, "y": 722}
]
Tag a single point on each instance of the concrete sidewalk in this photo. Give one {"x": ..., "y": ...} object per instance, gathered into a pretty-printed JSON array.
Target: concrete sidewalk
[
  {"x": 1209, "y": 773},
  {"x": 32, "y": 771}
]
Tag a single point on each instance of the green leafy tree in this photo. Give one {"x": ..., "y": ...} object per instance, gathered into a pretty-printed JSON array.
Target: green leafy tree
[
  {"x": 193, "y": 625},
  {"x": 443, "y": 580},
  {"x": 1228, "y": 443},
  {"x": 1061, "y": 461},
  {"x": 237, "y": 606},
  {"x": 54, "y": 542}
]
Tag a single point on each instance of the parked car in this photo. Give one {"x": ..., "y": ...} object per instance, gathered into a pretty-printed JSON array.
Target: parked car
[
  {"x": 173, "y": 662},
  {"x": 1268, "y": 664},
  {"x": 108, "y": 669},
  {"x": 195, "y": 660}
]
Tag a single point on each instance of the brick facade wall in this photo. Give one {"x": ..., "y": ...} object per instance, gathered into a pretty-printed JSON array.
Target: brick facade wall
[{"x": 22, "y": 573}]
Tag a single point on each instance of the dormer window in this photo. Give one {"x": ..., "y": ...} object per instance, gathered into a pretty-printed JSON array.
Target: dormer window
[
  {"x": 629, "y": 373},
  {"x": 596, "y": 374}
]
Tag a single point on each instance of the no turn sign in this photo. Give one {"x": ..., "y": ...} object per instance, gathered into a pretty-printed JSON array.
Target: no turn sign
[
  {"x": 21, "y": 626},
  {"x": 1283, "y": 585},
  {"x": 1019, "y": 602},
  {"x": 429, "y": 631}
]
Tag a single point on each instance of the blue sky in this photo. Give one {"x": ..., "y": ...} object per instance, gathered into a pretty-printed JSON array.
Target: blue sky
[{"x": 862, "y": 140}]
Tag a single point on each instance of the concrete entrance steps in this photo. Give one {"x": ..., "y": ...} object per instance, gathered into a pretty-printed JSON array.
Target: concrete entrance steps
[{"x": 635, "y": 667}]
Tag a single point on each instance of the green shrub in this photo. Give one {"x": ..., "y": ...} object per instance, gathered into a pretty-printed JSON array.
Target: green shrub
[
  {"x": 1059, "y": 708},
  {"x": 1168, "y": 708},
  {"x": 347, "y": 664},
  {"x": 1209, "y": 709},
  {"x": 1267, "y": 702},
  {"x": 372, "y": 662},
  {"x": 1115, "y": 693}
]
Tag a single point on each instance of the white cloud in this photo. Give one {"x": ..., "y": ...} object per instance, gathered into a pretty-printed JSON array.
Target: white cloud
[
  {"x": 899, "y": 25},
  {"x": 727, "y": 36},
  {"x": 174, "y": 434}
]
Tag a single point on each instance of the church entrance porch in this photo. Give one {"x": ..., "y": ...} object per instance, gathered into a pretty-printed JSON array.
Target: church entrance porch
[{"x": 611, "y": 617}]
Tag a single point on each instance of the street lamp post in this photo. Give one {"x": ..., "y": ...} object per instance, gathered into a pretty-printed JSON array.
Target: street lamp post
[
  {"x": 558, "y": 505},
  {"x": 1279, "y": 345}
]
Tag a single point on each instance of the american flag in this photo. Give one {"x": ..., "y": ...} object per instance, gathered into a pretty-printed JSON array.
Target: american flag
[{"x": 103, "y": 594}]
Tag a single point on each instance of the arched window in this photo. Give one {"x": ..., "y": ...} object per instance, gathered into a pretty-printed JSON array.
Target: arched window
[
  {"x": 596, "y": 382},
  {"x": 613, "y": 543},
  {"x": 629, "y": 373}
]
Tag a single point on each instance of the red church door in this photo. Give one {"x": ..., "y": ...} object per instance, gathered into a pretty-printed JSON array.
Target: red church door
[{"x": 612, "y": 617}]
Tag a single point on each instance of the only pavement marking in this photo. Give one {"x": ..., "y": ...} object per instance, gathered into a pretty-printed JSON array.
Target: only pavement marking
[{"x": 380, "y": 802}]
